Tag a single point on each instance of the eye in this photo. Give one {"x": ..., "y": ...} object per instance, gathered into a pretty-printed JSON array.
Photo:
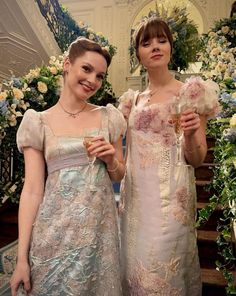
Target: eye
[
  {"x": 86, "y": 68},
  {"x": 162, "y": 40},
  {"x": 145, "y": 44},
  {"x": 100, "y": 76}
]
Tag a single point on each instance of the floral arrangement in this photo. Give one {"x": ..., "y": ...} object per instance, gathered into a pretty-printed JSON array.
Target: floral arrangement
[
  {"x": 65, "y": 29},
  {"x": 219, "y": 64},
  {"x": 185, "y": 37},
  {"x": 81, "y": 29},
  {"x": 39, "y": 90}
]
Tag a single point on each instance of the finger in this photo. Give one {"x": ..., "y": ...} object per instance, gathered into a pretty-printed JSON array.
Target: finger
[
  {"x": 97, "y": 138},
  {"x": 106, "y": 153},
  {"x": 188, "y": 111},
  {"x": 188, "y": 117},
  {"x": 193, "y": 120},
  {"x": 96, "y": 144},
  {"x": 14, "y": 289},
  {"x": 193, "y": 127},
  {"x": 103, "y": 148},
  {"x": 27, "y": 285}
]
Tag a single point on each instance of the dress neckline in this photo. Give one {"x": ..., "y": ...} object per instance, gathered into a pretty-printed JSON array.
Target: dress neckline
[{"x": 87, "y": 131}]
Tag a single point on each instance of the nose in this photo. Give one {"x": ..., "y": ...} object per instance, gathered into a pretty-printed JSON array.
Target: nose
[
  {"x": 92, "y": 79},
  {"x": 155, "y": 45}
]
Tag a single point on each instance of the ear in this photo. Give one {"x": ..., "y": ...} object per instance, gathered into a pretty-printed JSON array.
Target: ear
[{"x": 66, "y": 65}]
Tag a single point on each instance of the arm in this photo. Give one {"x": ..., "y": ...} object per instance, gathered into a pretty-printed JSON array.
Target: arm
[
  {"x": 194, "y": 127},
  {"x": 31, "y": 197}
]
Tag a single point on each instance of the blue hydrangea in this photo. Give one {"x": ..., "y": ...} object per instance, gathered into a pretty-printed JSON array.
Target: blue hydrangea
[
  {"x": 3, "y": 107},
  {"x": 17, "y": 83}
]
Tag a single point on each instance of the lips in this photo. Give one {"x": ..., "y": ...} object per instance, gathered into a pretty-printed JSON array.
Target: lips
[
  {"x": 86, "y": 87},
  {"x": 156, "y": 56}
]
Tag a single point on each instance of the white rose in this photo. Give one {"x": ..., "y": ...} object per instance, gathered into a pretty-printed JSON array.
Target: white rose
[
  {"x": 232, "y": 121},
  {"x": 42, "y": 87}
]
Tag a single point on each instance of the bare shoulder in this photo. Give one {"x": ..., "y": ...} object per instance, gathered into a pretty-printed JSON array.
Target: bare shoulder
[
  {"x": 92, "y": 107},
  {"x": 177, "y": 84},
  {"x": 51, "y": 110}
]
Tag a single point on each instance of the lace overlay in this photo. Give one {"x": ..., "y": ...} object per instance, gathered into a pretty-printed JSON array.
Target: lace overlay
[
  {"x": 74, "y": 247},
  {"x": 158, "y": 238}
]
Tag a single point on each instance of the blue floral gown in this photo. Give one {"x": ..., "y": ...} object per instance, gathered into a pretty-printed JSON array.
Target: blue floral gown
[
  {"x": 75, "y": 246},
  {"x": 158, "y": 235}
]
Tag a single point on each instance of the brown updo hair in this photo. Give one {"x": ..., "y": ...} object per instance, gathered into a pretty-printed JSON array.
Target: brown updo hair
[
  {"x": 152, "y": 28},
  {"x": 81, "y": 45}
]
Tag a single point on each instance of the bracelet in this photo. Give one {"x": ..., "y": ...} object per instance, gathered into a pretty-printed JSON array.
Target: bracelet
[{"x": 115, "y": 168}]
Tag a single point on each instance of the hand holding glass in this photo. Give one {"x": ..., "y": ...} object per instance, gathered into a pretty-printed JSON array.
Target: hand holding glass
[
  {"x": 176, "y": 110},
  {"x": 87, "y": 143}
]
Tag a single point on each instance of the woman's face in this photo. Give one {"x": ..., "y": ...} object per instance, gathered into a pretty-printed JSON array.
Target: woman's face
[
  {"x": 155, "y": 52},
  {"x": 85, "y": 75}
]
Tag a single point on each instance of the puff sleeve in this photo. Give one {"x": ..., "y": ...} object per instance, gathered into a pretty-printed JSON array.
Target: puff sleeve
[
  {"x": 116, "y": 123},
  {"x": 30, "y": 132},
  {"x": 201, "y": 95},
  {"x": 126, "y": 102}
]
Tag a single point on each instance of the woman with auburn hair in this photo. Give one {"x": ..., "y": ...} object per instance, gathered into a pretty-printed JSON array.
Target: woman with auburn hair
[{"x": 68, "y": 234}]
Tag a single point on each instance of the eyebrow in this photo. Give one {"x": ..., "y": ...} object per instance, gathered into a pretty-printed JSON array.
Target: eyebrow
[{"x": 88, "y": 64}]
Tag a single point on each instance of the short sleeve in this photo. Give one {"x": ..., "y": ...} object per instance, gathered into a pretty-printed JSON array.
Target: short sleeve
[
  {"x": 116, "y": 123},
  {"x": 202, "y": 95},
  {"x": 30, "y": 132},
  {"x": 126, "y": 102}
]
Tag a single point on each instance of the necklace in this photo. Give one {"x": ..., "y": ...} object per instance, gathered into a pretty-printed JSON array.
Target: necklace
[
  {"x": 73, "y": 114},
  {"x": 153, "y": 91}
]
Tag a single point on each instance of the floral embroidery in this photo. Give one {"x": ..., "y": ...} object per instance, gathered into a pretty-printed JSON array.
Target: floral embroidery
[
  {"x": 201, "y": 95},
  {"x": 181, "y": 212},
  {"x": 148, "y": 153},
  {"x": 148, "y": 283},
  {"x": 126, "y": 101},
  {"x": 193, "y": 89},
  {"x": 151, "y": 118}
]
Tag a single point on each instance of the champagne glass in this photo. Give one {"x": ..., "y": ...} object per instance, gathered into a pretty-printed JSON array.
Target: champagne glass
[
  {"x": 176, "y": 109},
  {"x": 87, "y": 143},
  {"x": 91, "y": 158}
]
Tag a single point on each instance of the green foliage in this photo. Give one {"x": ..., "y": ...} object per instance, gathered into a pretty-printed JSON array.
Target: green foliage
[{"x": 218, "y": 58}]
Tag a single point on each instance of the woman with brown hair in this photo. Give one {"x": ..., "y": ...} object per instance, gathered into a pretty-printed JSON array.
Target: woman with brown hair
[
  {"x": 68, "y": 234},
  {"x": 158, "y": 235}
]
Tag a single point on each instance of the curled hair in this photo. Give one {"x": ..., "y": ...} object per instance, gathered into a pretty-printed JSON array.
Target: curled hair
[
  {"x": 81, "y": 45},
  {"x": 152, "y": 28}
]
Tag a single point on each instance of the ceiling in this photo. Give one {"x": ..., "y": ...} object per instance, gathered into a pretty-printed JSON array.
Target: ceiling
[{"x": 25, "y": 39}]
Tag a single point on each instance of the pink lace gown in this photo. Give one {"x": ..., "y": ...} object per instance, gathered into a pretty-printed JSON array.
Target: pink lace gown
[{"x": 158, "y": 235}]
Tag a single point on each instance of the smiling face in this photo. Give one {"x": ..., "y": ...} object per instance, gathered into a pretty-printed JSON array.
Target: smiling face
[{"x": 85, "y": 75}]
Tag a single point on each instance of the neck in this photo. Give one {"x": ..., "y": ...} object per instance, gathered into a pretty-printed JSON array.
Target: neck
[
  {"x": 159, "y": 78},
  {"x": 71, "y": 103}
]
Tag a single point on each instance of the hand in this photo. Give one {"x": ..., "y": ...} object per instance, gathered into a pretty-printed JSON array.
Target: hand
[
  {"x": 20, "y": 275},
  {"x": 102, "y": 149},
  {"x": 190, "y": 122}
]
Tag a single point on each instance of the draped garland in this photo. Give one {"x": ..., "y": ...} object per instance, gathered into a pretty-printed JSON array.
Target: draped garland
[{"x": 219, "y": 64}]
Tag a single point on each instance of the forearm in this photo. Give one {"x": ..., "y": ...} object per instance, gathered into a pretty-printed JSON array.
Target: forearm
[
  {"x": 195, "y": 149},
  {"x": 29, "y": 204},
  {"x": 116, "y": 170}
]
